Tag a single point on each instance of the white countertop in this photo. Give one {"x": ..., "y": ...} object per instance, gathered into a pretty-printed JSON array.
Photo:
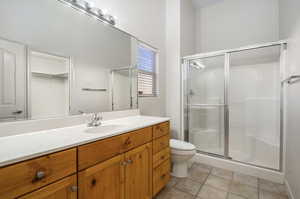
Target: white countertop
[{"x": 21, "y": 147}]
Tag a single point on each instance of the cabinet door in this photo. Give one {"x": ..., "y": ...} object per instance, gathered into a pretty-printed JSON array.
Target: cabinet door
[
  {"x": 139, "y": 173},
  {"x": 63, "y": 189},
  {"x": 104, "y": 180}
]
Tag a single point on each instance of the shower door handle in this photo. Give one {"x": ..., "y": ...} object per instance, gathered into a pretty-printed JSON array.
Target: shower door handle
[
  {"x": 292, "y": 79},
  {"x": 18, "y": 112}
]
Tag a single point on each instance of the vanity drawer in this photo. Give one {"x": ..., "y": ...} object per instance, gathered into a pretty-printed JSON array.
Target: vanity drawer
[
  {"x": 27, "y": 176},
  {"x": 161, "y": 176},
  {"x": 96, "y": 152},
  {"x": 137, "y": 138},
  {"x": 63, "y": 189},
  {"x": 161, "y": 130},
  {"x": 161, "y": 156},
  {"x": 160, "y": 144}
]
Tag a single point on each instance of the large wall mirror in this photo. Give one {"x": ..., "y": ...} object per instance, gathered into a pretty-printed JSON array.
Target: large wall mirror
[{"x": 56, "y": 61}]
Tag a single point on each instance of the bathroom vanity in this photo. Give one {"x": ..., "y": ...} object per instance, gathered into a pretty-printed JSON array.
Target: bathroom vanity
[{"x": 115, "y": 163}]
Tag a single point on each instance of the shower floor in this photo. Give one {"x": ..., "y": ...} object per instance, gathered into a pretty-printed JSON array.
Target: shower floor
[{"x": 270, "y": 161}]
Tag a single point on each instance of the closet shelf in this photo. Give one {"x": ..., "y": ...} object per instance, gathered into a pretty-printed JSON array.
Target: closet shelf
[
  {"x": 49, "y": 75},
  {"x": 94, "y": 89}
]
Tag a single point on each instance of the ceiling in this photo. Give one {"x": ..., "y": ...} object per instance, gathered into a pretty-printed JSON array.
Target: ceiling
[{"x": 203, "y": 3}]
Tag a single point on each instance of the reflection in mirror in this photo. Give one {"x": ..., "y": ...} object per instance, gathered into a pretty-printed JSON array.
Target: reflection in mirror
[
  {"x": 49, "y": 79},
  {"x": 56, "y": 61},
  {"x": 12, "y": 81},
  {"x": 124, "y": 89}
]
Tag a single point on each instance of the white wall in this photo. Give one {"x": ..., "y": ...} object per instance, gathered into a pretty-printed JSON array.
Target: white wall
[
  {"x": 235, "y": 23},
  {"x": 146, "y": 20},
  {"x": 187, "y": 27},
  {"x": 173, "y": 65},
  {"x": 290, "y": 29},
  {"x": 94, "y": 77}
]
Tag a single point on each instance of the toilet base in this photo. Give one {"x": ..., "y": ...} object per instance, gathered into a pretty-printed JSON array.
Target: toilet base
[{"x": 180, "y": 169}]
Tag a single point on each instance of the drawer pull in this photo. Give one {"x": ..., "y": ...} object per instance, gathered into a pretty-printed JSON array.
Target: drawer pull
[
  {"x": 129, "y": 161},
  {"x": 74, "y": 188},
  {"x": 124, "y": 163},
  {"x": 162, "y": 157},
  {"x": 39, "y": 175},
  {"x": 128, "y": 141}
]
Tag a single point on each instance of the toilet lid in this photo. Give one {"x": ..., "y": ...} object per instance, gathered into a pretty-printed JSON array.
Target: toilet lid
[{"x": 181, "y": 145}]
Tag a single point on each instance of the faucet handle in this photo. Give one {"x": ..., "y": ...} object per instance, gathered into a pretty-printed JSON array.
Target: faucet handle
[
  {"x": 94, "y": 116},
  {"x": 97, "y": 116},
  {"x": 100, "y": 116}
]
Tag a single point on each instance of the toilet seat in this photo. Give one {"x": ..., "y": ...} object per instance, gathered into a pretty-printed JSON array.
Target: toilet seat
[
  {"x": 178, "y": 152},
  {"x": 179, "y": 146}
]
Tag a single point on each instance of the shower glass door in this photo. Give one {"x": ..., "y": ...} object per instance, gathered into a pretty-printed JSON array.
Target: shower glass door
[
  {"x": 206, "y": 103},
  {"x": 254, "y": 106}
]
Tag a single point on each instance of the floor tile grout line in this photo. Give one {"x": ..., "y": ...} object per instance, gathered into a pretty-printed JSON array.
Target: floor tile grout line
[
  {"x": 207, "y": 172},
  {"x": 203, "y": 183},
  {"x": 258, "y": 188},
  {"x": 229, "y": 187}
]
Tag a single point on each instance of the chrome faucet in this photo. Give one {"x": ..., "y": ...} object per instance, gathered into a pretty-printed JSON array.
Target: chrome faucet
[{"x": 96, "y": 120}]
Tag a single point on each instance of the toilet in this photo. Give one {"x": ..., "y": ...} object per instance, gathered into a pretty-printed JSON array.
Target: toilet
[{"x": 181, "y": 153}]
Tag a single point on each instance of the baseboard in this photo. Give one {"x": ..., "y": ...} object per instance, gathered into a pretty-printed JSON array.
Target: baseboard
[
  {"x": 289, "y": 190},
  {"x": 267, "y": 174}
]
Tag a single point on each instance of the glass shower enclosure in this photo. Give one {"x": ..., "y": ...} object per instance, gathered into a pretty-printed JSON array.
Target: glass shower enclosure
[{"x": 233, "y": 103}]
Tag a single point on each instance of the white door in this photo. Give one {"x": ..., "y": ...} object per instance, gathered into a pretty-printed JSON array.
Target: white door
[{"x": 12, "y": 81}]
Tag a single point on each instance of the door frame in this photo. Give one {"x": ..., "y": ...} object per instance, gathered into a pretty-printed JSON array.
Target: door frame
[{"x": 185, "y": 109}]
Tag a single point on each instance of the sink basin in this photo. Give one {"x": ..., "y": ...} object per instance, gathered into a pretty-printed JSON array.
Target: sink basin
[{"x": 103, "y": 128}]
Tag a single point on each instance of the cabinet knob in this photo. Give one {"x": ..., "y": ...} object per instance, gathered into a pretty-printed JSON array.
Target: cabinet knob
[
  {"x": 163, "y": 176},
  {"x": 74, "y": 188},
  {"x": 40, "y": 175},
  {"x": 162, "y": 157},
  {"x": 94, "y": 182},
  {"x": 129, "y": 161}
]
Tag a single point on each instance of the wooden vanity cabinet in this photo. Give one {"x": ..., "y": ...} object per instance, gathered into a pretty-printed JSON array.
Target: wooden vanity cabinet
[
  {"x": 161, "y": 156},
  {"x": 126, "y": 176},
  {"x": 104, "y": 180},
  {"x": 138, "y": 172},
  {"x": 134, "y": 165}
]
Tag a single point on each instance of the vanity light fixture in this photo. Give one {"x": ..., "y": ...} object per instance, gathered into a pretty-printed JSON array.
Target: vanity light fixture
[{"x": 88, "y": 8}]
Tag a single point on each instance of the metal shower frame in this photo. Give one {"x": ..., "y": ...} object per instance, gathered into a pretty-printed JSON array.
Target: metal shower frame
[{"x": 226, "y": 53}]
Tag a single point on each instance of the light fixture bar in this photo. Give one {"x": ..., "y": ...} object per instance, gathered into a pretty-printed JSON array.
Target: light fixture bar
[{"x": 87, "y": 8}]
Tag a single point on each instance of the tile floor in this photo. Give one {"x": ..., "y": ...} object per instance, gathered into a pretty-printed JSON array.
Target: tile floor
[{"x": 206, "y": 182}]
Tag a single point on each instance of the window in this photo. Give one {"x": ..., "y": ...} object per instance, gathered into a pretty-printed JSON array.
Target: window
[{"x": 147, "y": 76}]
